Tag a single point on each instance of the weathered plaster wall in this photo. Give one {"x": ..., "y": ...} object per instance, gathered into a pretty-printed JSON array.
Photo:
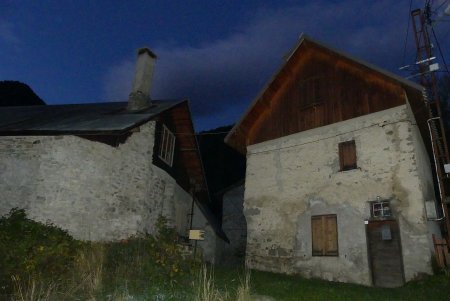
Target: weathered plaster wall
[
  {"x": 292, "y": 178},
  {"x": 210, "y": 247},
  {"x": 234, "y": 226},
  {"x": 95, "y": 191},
  {"x": 424, "y": 170}
]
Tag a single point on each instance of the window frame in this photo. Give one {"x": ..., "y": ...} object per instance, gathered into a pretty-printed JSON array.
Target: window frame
[
  {"x": 167, "y": 145},
  {"x": 347, "y": 149},
  {"x": 325, "y": 250},
  {"x": 382, "y": 209}
]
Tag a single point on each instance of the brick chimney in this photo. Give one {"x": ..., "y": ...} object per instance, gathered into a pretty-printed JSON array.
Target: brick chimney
[{"x": 139, "y": 98}]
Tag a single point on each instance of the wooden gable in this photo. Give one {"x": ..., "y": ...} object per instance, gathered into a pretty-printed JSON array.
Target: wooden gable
[
  {"x": 187, "y": 167},
  {"x": 318, "y": 86}
]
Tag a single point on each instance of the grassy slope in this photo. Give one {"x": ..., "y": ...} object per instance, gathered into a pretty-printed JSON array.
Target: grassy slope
[
  {"x": 48, "y": 265},
  {"x": 284, "y": 287}
]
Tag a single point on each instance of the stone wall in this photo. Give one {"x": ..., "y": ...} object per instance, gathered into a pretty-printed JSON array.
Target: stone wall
[
  {"x": 292, "y": 178},
  {"x": 234, "y": 226},
  {"x": 95, "y": 191}
]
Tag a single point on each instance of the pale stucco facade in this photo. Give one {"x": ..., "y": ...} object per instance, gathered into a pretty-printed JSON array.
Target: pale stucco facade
[
  {"x": 292, "y": 178},
  {"x": 93, "y": 190}
]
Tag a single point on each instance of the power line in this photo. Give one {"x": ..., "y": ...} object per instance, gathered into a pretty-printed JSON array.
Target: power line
[
  {"x": 442, "y": 4},
  {"x": 407, "y": 32},
  {"x": 440, "y": 50},
  {"x": 331, "y": 136}
]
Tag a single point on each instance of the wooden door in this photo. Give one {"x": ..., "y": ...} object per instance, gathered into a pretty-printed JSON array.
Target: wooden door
[{"x": 385, "y": 254}]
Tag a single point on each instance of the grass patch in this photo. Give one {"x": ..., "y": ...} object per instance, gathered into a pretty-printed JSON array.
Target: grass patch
[
  {"x": 155, "y": 268},
  {"x": 284, "y": 287}
]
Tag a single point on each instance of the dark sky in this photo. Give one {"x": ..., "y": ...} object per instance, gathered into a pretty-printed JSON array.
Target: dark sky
[{"x": 218, "y": 54}]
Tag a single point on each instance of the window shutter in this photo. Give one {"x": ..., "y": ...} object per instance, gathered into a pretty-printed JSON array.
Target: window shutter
[
  {"x": 347, "y": 155},
  {"x": 324, "y": 235},
  {"x": 317, "y": 236},
  {"x": 331, "y": 247}
]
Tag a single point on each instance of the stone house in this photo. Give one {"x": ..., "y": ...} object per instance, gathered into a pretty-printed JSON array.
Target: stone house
[
  {"x": 338, "y": 183},
  {"x": 106, "y": 171}
]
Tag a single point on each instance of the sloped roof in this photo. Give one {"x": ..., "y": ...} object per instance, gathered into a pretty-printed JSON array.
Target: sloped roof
[
  {"x": 91, "y": 118},
  {"x": 235, "y": 136}
]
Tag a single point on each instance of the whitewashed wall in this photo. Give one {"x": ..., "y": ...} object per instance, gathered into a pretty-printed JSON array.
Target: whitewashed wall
[
  {"x": 292, "y": 178},
  {"x": 93, "y": 190}
]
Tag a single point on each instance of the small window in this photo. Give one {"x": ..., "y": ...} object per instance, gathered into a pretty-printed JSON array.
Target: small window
[
  {"x": 381, "y": 209},
  {"x": 167, "y": 146},
  {"x": 347, "y": 155},
  {"x": 324, "y": 235}
]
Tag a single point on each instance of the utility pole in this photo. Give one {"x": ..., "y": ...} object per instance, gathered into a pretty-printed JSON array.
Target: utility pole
[{"x": 427, "y": 67}]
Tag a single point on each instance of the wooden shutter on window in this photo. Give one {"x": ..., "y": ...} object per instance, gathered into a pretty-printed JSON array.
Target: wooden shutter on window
[
  {"x": 331, "y": 242},
  {"x": 324, "y": 235},
  {"x": 317, "y": 236},
  {"x": 347, "y": 155}
]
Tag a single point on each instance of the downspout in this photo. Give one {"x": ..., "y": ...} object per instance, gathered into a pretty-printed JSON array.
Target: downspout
[{"x": 439, "y": 181}]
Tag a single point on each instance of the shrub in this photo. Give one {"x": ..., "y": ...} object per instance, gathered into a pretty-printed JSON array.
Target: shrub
[
  {"x": 28, "y": 247},
  {"x": 147, "y": 262},
  {"x": 168, "y": 253}
]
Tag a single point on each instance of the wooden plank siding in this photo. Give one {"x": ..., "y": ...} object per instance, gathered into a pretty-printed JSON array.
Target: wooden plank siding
[
  {"x": 187, "y": 164},
  {"x": 385, "y": 255},
  {"x": 322, "y": 90},
  {"x": 316, "y": 87}
]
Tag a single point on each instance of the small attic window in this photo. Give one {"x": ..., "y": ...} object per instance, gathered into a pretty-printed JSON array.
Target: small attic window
[
  {"x": 167, "y": 146},
  {"x": 347, "y": 155}
]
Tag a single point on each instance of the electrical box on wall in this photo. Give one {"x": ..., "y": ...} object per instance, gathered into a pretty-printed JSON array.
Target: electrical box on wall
[
  {"x": 386, "y": 232},
  {"x": 430, "y": 207},
  {"x": 447, "y": 168},
  {"x": 197, "y": 234}
]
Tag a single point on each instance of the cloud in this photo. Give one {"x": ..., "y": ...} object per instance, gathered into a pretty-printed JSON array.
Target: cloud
[
  {"x": 221, "y": 74},
  {"x": 117, "y": 81},
  {"x": 7, "y": 34}
]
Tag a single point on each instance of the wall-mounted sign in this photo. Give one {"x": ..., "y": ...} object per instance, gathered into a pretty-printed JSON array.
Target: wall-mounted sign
[{"x": 197, "y": 234}]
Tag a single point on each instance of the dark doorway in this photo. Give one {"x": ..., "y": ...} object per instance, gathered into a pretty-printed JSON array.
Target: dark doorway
[{"x": 385, "y": 254}]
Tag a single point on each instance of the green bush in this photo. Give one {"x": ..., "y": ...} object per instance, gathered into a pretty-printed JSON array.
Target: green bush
[
  {"x": 37, "y": 253},
  {"x": 28, "y": 247},
  {"x": 158, "y": 258},
  {"x": 168, "y": 253}
]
